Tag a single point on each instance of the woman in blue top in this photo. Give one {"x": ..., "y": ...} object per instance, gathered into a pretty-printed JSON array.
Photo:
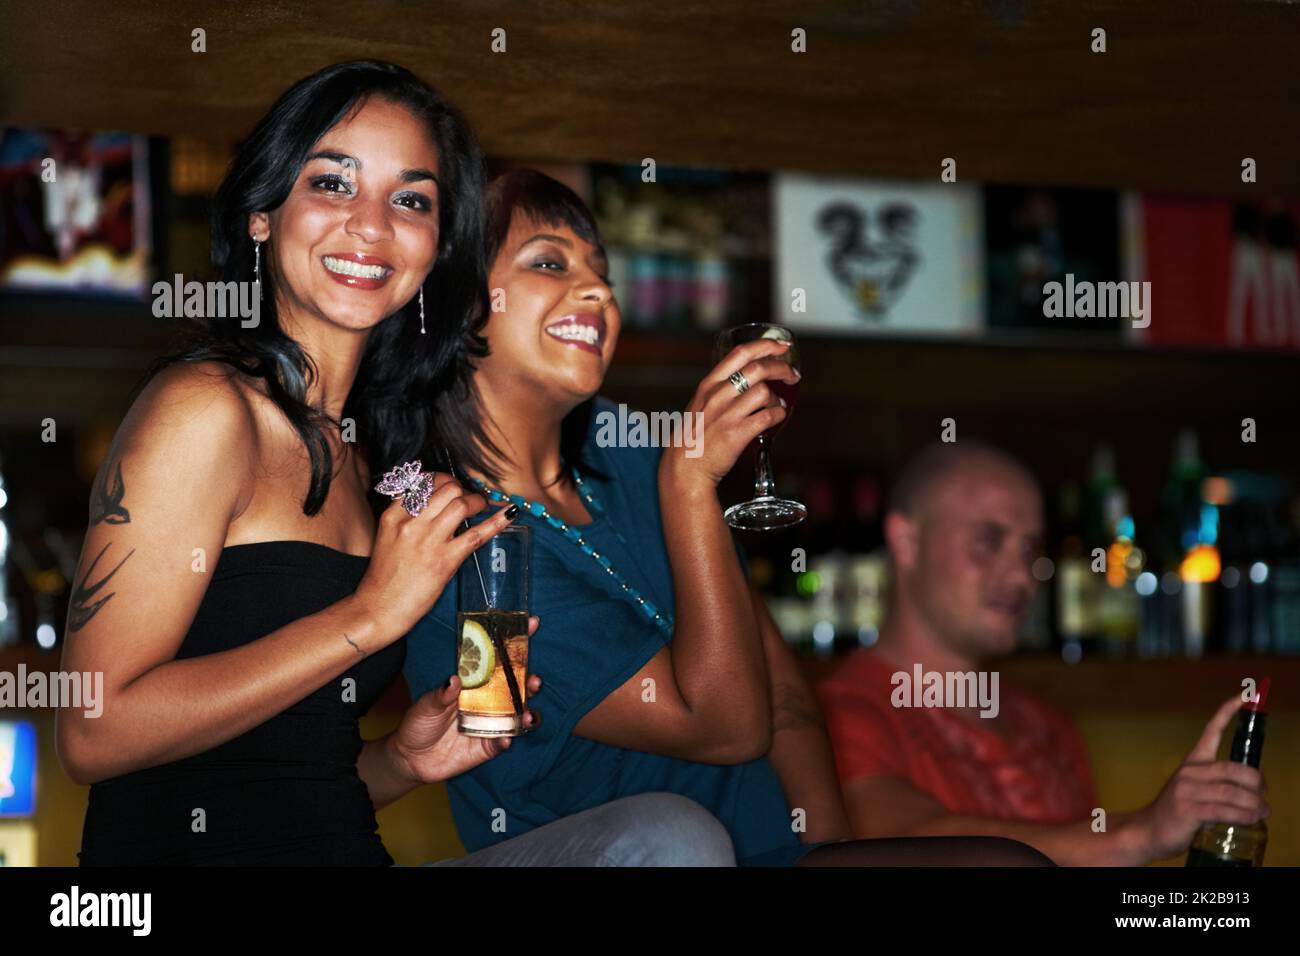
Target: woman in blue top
[{"x": 663, "y": 671}]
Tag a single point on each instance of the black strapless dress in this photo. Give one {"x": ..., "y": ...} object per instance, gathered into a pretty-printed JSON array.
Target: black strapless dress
[{"x": 284, "y": 793}]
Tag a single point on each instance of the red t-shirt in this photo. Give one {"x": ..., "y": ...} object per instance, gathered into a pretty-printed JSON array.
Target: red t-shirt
[{"x": 1038, "y": 773}]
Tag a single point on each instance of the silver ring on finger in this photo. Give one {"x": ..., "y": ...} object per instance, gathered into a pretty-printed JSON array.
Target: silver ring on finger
[{"x": 739, "y": 382}]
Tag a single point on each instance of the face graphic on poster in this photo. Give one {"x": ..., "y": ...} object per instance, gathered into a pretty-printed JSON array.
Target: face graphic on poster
[{"x": 875, "y": 257}]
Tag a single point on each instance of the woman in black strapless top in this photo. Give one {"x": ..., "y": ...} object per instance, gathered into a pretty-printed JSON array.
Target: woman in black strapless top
[
  {"x": 285, "y": 792},
  {"x": 233, "y": 587}
]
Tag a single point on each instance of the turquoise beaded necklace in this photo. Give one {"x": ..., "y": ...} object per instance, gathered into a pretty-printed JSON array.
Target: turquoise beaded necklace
[{"x": 631, "y": 594}]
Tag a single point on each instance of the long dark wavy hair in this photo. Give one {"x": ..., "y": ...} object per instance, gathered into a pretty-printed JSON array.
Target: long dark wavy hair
[
  {"x": 403, "y": 399},
  {"x": 547, "y": 202}
]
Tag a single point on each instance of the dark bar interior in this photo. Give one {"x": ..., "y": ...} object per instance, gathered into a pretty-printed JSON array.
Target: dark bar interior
[{"x": 983, "y": 224}]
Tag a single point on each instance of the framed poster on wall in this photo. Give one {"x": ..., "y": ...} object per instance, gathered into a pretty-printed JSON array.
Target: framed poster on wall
[{"x": 869, "y": 257}]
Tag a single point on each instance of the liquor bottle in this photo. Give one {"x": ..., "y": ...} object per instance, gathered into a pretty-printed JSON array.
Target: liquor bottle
[
  {"x": 867, "y": 565},
  {"x": 1238, "y": 844},
  {"x": 1260, "y": 580},
  {"x": 1112, "y": 621},
  {"x": 1180, "y": 503},
  {"x": 827, "y": 583},
  {"x": 1125, "y": 560},
  {"x": 1282, "y": 573},
  {"x": 1285, "y": 578},
  {"x": 799, "y": 577},
  {"x": 1074, "y": 618},
  {"x": 1100, "y": 489},
  {"x": 1190, "y": 552}
]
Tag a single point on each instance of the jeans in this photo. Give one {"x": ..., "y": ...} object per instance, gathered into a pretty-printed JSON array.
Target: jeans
[{"x": 649, "y": 829}]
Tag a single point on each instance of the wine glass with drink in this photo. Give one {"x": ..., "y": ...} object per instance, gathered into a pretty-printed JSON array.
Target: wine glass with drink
[{"x": 765, "y": 511}]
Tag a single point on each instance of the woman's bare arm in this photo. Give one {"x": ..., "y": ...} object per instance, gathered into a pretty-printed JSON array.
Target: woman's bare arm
[
  {"x": 704, "y": 697},
  {"x": 710, "y": 686},
  {"x": 176, "y": 476},
  {"x": 178, "y": 473},
  {"x": 801, "y": 751}
]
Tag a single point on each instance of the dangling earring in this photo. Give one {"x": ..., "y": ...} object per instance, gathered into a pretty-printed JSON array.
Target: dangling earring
[
  {"x": 257, "y": 266},
  {"x": 422, "y": 332}
]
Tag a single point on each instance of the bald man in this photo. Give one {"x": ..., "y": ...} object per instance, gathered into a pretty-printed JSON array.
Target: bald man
[{"x": 927, "y": 739}]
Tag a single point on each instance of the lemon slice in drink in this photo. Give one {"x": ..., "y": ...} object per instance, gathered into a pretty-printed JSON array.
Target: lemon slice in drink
[
  {"x": 477, "y": 656},
  {"x": 779, "y": 334}
]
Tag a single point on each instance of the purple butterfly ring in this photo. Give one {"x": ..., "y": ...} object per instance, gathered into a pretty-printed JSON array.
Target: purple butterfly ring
[{"x": 409, "y": 483}]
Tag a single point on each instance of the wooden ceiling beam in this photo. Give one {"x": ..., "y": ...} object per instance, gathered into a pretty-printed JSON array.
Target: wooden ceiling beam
[{"x": 1011, "y": 90}]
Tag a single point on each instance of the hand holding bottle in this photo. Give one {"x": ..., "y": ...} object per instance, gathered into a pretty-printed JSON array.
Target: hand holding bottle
[{"x": 1203, "y": 790}]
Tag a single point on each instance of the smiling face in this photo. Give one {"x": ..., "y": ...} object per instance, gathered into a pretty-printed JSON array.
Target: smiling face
[
  {"x": 359, "y": 231},
  {"x": 968, "y": 569},
  {"x": 555, "y": 337}
]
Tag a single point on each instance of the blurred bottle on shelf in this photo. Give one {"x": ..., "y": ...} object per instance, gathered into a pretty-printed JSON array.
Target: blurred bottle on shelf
[
  {"x": 829, "y": 573},
  {"x": 1125, "y": 561},
  {"x": 830, "y": 594},
  {"x": 1286, "y": 605},
  {"x": 711, "y": 289},
  {"x": 1240, "y": 532},
  {"x": 868, "y": 577},
  {"x": 1190, "y": 548},
  {"x": 1075, "y": 617},
  {"x": 646, "y": 283},
  {"x": 867, "y": 565},
  {"x": 1276, "y": 572},
  {"x": 800, "y": 575},
  {"x": 1097, "y": 495},
  {"x": 1257, "y": 606},
  {"x": 677, "y": 265},
  {"x": 786, "y": 605},
  {"x": 1114, "y": 559},
  {"x": 822, "y": 586}
]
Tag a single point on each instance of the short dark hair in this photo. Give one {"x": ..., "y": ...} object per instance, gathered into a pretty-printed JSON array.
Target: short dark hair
[
  {"x": 546, "y": 201},
  {"x": 936, "y": 462}
]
